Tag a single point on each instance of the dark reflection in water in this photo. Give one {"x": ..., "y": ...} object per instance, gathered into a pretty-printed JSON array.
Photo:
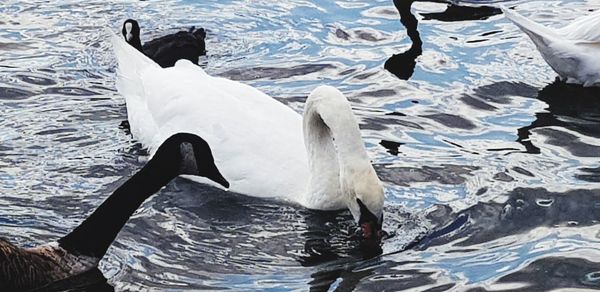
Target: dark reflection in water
[
  {"x": 447, "y": 174},
  {"x": 8, "y": 93},
  {"x": 462, "y": 13},
  {"x": 275, "y": 72},
  {"x": 70, "y": 91},
  {"x": 451, "y": 121},
  {"x": 237, "y": 234},
  {"x": 391, "y": 146},
  {"x": 484, "y": 97},
  {"x": 403, "y": 65},
  {"x": 326, "y": 243},
  {"x": 571, "y": 107},
  {"x": 589, "y": 174},
  {"x": 342, "y": 277},
  {"x": 524, "y": 210},
  {"x": 552, "y": 273},
  {"x": 319, "y": 235},
  {"x": 36, "y": 80}
]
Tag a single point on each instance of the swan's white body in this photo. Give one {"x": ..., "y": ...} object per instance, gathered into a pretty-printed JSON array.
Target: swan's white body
[
  {"x": 257, "y": 142},
  {"x": 572, "y": 51}
]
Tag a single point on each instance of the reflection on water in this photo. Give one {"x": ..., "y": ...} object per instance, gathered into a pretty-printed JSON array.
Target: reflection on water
[
  {"x": 403, "y": 65},
  {"x": 574, "y": 108},
  {"x": 462, "y": 13},
  {"x": 491, "y": 169}
]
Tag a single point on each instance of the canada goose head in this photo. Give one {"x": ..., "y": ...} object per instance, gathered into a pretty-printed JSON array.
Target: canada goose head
[
  {"x": 187, "y": 153},
  {"x": 131, "y": 33}
]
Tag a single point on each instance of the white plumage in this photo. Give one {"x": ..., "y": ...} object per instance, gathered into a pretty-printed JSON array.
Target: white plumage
[
  {"x": 257, "y": 142},
  {"x": 572, "y": 51}
]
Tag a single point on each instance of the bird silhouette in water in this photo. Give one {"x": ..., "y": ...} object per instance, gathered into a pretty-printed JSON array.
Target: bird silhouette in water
[{"x": 403, "y": 65}]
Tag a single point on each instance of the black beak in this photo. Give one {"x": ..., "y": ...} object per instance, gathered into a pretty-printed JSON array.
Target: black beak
[
  {"x": 371, "y": 231},
  {"x": 370, "y": 225},
  {"x": 195, "y": 157},
  {"x": 218, "y": 178}
]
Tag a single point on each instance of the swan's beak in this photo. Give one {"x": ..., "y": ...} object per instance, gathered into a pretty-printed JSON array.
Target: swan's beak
[
  {"x": 370, "y": 225},
  {"x": 371, "y": 231}
]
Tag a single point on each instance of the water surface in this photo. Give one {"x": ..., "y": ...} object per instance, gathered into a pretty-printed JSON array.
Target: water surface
[{"x": 491, "y": 167}]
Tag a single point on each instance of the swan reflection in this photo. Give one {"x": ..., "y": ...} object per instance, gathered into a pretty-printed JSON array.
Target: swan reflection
[{"x": 572, "y": 107}]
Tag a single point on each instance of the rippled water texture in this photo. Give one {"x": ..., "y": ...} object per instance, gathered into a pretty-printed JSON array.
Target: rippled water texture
[{"x": 491, "y": 168}]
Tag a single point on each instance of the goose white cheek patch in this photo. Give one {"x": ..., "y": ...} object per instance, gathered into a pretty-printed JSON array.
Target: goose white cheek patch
[{"x": 128, "y": 27}]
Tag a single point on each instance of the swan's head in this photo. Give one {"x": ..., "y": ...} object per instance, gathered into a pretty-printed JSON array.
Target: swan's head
[
  {"x": 189, "y": 154},
  {"x": 367, "y": 206},
  {"x": 131, "y": 33}
]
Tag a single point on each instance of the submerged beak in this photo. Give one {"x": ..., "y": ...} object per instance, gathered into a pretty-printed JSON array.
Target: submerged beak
[
  {"x": 371, "y": 231},
  {"x": 370, "y": 225}
]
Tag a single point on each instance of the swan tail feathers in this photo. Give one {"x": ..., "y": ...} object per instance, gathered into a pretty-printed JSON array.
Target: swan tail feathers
[
  {"x": 131, "y": 64},
  {"x": 127, "y": 54},
  {"x": 538, "y": 33},
  {"x": 130, "y": 83}
]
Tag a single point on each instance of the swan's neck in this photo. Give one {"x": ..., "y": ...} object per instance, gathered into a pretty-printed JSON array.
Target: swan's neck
[
  {"x": 336, "y": 153},
  {"x": 97, "y": 232}
]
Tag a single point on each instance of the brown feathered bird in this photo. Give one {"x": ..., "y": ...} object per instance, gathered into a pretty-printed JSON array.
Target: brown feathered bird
[{"x": 24, "y": 269}]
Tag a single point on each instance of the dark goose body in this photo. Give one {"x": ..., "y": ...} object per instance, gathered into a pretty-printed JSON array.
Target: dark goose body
[
  {"x": 35, "y": 267},
  {"x": 81, "y": 250},
  {"x": 168, "y": 49}
]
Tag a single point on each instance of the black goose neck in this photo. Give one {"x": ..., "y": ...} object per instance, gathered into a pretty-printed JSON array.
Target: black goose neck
[{"x": 98, "y": 231}]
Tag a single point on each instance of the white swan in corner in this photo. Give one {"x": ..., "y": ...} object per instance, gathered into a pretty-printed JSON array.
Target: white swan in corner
[
  {"x": 572, "y": 51},
  {"x": 261, "y": 146}
]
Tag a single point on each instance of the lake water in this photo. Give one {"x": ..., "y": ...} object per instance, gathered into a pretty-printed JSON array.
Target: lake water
[{"x": 491, "y": 168}]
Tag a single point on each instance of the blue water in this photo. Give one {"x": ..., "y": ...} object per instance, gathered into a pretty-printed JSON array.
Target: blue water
[{"x": 491, "y": 167}]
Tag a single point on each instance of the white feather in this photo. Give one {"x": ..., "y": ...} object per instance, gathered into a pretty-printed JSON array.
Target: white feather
[
  {"x": 257, "y": 142},
  {"x": 572, "y": 51}
]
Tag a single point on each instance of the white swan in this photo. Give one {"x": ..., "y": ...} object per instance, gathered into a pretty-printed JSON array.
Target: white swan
[
  {"x": 572, "y": 51},
  {"x": 257, "y": 141}
]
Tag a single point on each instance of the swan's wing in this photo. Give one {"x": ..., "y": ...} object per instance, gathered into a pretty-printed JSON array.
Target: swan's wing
[
  {"x": 550, "y": 45},
  {"x": 585, "y": 29},
  {"x": 539, "y": 34},
  {"x": 572, "y": 51},
  {"x": 256, "y": 141},
  {"x": 575, "y": 62}
]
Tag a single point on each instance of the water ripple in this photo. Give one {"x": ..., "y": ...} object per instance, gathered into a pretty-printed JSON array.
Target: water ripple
[{"x": 491, "y": 172}]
